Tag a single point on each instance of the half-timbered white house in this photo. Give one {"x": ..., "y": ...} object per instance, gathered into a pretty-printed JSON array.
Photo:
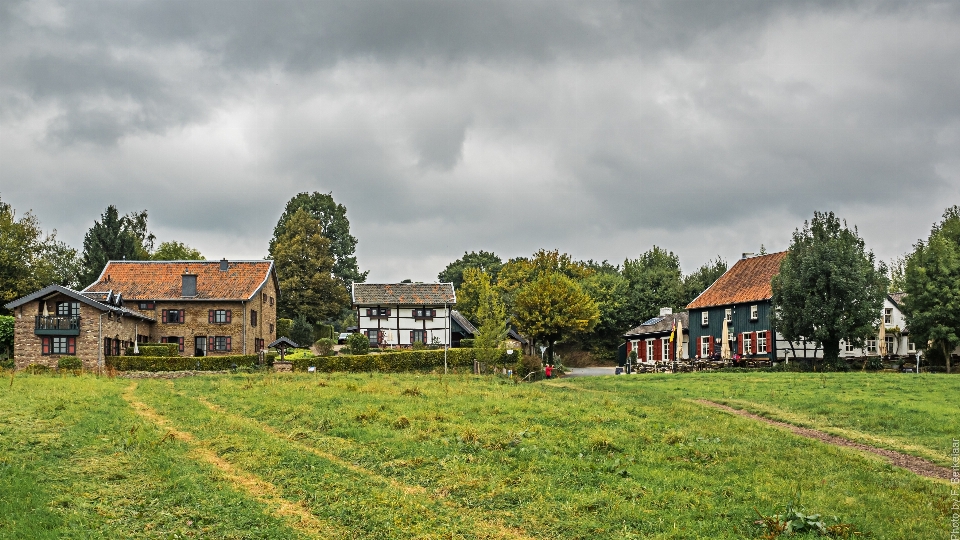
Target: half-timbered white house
[{"x": 401, "y": 314}]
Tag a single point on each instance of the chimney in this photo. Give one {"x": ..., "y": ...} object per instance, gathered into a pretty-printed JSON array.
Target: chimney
[
  {"x": 188, "y": 287},
  {"x": 224, "y": 265},
  {"x": 748, "y": 255},
  {"x": 664, "y": 311}
]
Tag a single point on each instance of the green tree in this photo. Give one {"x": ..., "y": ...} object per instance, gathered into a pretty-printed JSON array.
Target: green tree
[
  {"x": 475, "y": 281},
  {"x": 176, "y": 251},
  {"x": 6, "y": 335},
  {"x": 655, "y": 282},
  {"x": 358, "y": 344},
  {"x": 114, "y": 238},
  {"x": 829, "y": 287},
  {"x": 334, "y": 226},
  {"x": 701, "y": 278},
  {"x": 305, "y": 271},
  {"x": 301, "y": 331},
  {"x": 932, "y": 283},
  {"x": 552, "y": 307},
  {"x": 491, "y": 317},
  {"x": 898, "y": 275},
  {"x": 64, "y": 263},
  {"x": 610, "y": 292},
  {"x": 484, "y": 261},
  {"x": 23, "y": 268}
]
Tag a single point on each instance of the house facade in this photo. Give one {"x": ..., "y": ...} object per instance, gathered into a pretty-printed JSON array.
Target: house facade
[
  {"x": 743, "y": 297},
  {"x": 651, "y": 340},
  {"x": 401, "y": 314},
  {"x": 205, "y": 307},
  {"x": 896, "y": 335}
]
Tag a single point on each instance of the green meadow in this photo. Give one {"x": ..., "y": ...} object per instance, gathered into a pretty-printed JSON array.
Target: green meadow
[{"x": 460, "y": 456}]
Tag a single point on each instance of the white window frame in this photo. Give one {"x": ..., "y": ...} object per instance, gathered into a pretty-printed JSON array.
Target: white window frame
[
  {"x": 665, "y": 349},
  {"x": 871, "y": 346},
  {"x": 761, "y": 340},
  {"x": 704, "y": 346},
  {"x": 747, "y": 343},
  {"x": 728, "y": 313},
  {"x": 911, "y": 347},
  {"x": 891, "y": 343},
  {"x": 754, "y": 313},
  {"x": 848, "y": 346},
  {"x": 888, "y": 315},
  {"x": 649, "y": 355},
  {"x": 704, "y": 318}
]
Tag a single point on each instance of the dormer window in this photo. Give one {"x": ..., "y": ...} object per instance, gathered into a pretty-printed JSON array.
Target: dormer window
[
  {"x": 729, "y": 314},
  {"x": 754, "y": 313},
  {"x": 704, "y": 318},
  {"x": 888, "y": 315},
  {"x": 188, "y": 287}
]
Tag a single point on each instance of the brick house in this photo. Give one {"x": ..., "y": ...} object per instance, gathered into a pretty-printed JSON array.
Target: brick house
[
  {"x": 743, "y": 297},
  {"x": 401, "y": 314},
  {"x": 205, "y": 307}
]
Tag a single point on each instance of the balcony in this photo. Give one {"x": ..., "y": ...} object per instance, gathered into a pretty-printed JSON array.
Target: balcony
[{"x": 57, "y": 326}]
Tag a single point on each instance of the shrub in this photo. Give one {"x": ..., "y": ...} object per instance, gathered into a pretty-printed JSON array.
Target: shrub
[
  {"x": 283, "y": 327},
  {"x": 184, "y": 363},
  {"x": 7, "y": 363},
  {"x": 301, "y": 331},
  {"x": 358, "y": 343},
  {"x": 36, "y": 369},
  {"x": 323, "y": 331},
  {"x": 69, "y": 363},
  {"x": 527, "y": 364},
  {"x": 156, "y": 349},
  {"x": 6, "y": 334},
  {"x": 400, "y": 361},
  {"x": 325, "y": 346},
  {"x": 418, "y": 346},
  {"x": 466, "y": 343}
]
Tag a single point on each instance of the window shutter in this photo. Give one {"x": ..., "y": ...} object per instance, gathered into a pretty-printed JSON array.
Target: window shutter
[
  {"x": 71, "y": 345},
  {"x": 164, "y": 316},
  {"x": 210, "y": 316},
  {"x": 740, "y": 344},
  {"x": 753, "y": 343},
  {"x": 45, "y": 347},
  {"x": 229, "y": 315},
  {"x": 411, "y": 337},
  {"x": 180, "y": 342},
  {"x": 228, "y": 344},
  {"x": 712, "y": 343},
  {"x": 389, "y": 311},
  {"x": 369, "y": 312},
  {"x": 211, "y": 343}
]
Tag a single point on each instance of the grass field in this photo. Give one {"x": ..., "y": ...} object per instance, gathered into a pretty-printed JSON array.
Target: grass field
[{"x": 407, "y": 456}]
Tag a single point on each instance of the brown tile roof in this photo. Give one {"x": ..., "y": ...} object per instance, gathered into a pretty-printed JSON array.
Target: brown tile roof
[
  {"x": 897, "y": 298},
  {"x": 747, "y": 281},
  {"x": 161, "y": 280},
  {"x": 371, "y": 294},
  {"x": 660, "y": 324}
]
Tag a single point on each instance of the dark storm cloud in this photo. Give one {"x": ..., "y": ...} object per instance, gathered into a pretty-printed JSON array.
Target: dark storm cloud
[{"x": 595, "y": 127}]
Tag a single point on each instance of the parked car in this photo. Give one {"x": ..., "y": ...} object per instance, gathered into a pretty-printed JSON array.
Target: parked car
[{"x": 342, "y": 338}]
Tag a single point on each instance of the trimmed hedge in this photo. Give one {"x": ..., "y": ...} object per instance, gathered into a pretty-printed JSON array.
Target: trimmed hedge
[
  {"x": 184, "y": 363},
  {"x": 69, "y": 362},
  {"x": 156, "y": 349},
  {"x": 398, "y": 361}
]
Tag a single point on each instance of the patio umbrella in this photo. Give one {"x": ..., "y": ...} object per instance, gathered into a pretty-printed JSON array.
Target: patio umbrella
[
  {"x": 679, "y": 339},
  {"x": 882, "y": 339},
  {"x": 725, "y": 348},
  {"x": 45, "y": 312}
]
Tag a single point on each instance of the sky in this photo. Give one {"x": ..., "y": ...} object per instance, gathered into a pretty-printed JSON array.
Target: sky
[{"x": 596, "y": 128}]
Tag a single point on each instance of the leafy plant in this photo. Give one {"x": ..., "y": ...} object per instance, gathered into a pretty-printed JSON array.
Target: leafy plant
[
  {"x": 69, "y": 363},
  {"x": 324, "y": 346},
  {"x": 795, "y": 520},
  {"x": 358, "y": 344}
]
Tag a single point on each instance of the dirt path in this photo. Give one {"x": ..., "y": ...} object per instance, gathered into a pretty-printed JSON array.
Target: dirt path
[{"x": 913, "y": 464}]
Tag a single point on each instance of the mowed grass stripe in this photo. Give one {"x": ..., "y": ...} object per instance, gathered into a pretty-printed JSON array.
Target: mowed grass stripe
[
  {"x": 295, "y": 515},
  {"x": 485, "y": 522},
  {"x": 369, "y": 506}
]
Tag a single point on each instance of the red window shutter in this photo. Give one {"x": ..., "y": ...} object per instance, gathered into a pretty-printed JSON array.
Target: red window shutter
[
  {"x": 712, "y": 343},
  {"x": 629, "y": 348},
  {"x": 411, "y": 337},
  {"x": 389, "y": 311},
  {"x": 180, "y": 342},
  {"x": 45, "y": 345},
  {"x": 164, "y": 316},
  {"x": 740, "y": 344},
  {"x": 210, "y": 316},
  {"x": 228, "y": 344},
  {"x": 368, "y": 312},
  {"x": 71, "y": 345},
  {"x": 229, "y": 315},
  {"x": 753, "y": 343},
  {"x": 211, "y": 343}
]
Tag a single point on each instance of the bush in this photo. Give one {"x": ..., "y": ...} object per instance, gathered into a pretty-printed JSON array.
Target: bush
[
  {"x": 358, "y": 344},
  {"x": 184, "y": 363},
  {"x": 36, "y": 369},
  {"x": 69, "y": 363},
  {"x": 6, "y": 334},
  {"x": 7, "y": 363},
  {"x": 467, "y": 343},
  {"x": 527, "y": 364},
  {"x": 400, "y": 361},
  {"x": 283, "y": 327},
  {"x": 156, "y": 349},
  {"x": 325, "y": 346},
  {"x": 418, "y": 346},
  {"x": 323, "y": 331}
]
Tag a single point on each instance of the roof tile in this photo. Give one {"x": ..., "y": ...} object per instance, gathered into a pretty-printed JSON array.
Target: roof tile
[
  {"x": 746, "y": 281},
  {"x": 161, "y": 280},
  {"x": 369, "y": 294}
]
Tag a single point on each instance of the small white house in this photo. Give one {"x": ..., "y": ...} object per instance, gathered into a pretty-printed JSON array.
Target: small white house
[
  {"x": 401, "y": 314},
  {"x": 897, "y": 337}
]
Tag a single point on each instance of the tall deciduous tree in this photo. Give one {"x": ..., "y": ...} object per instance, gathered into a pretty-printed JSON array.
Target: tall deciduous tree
[
  {"x": 610, "y": 291},
  {"x": 176, "y": 251},
  {"x": 305, "y": 270},
  {"x": 829, "y": 287},
  {"x": 552, "y": 307},
  {"x": 484, "y": 261},
  {"x": 491, "y": 317},
  {"x": 701, "y": 278},
  {"x": 114, "y": 238},
  {"x": 932, "y": 282},
  {"x": 655, "y": 282},
  {"x": 475, "y": 281},
  {"x": 334, "y": 226}
]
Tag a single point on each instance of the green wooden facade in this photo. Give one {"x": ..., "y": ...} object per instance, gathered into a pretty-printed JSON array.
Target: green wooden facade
[{"x": 740, "y": 322}]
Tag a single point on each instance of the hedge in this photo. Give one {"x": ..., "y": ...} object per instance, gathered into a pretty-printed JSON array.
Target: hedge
[
  {"x": 397, "y": 361},
  {"x": 156, "y": 349},
  {"x": 184, "y": 363}
]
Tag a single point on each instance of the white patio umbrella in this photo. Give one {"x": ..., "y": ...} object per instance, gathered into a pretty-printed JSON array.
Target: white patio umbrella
[
  {"x": 678, "y": 339},
  {"x": 46, "y": 313},
  {"x": 725, "y": 348},
  {"x": 882, "y": 339}
]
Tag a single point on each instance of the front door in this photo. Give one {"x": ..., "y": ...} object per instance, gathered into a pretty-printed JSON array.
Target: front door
[{"x": 200, "y": 346}]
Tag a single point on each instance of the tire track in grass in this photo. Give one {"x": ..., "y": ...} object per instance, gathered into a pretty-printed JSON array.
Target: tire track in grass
[
  {"x": 293, "y": 514},
  {"x": 913, "y": 464},
  {"x": 484, "y": 522}
]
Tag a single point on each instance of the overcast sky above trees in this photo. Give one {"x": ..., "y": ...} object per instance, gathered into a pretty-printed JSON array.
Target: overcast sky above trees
[{"x": 595, "y": 128}]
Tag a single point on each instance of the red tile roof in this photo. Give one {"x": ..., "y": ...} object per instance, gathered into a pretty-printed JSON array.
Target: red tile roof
[
  {"x": 747, "y": 281},
  {"x": 161, "y": 280}
]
